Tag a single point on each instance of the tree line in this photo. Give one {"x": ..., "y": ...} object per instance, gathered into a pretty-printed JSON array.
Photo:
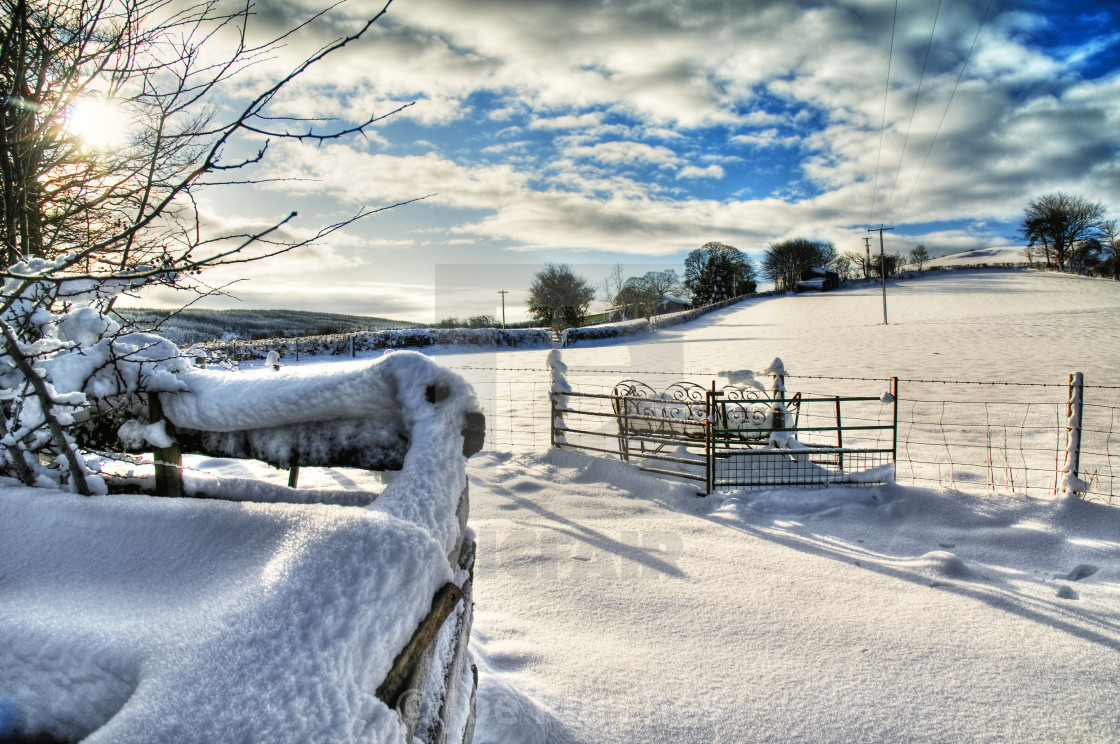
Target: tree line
[
  {"x": 560, "y": 299},
  {"x": 1064, "y": 232}
]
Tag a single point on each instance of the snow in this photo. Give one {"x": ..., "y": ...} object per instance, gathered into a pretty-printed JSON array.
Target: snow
[
  {"x": 244, "y": 621},
  {"x": 613, "y": 605},
  {"x": 616, "y": 607},
  {"x": 138, "y": 619}
]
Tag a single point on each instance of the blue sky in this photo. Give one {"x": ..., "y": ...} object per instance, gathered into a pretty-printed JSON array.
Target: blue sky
[{"x": 593, "y": 132}]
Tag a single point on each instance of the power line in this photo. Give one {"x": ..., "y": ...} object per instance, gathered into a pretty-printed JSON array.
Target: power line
[
  {"x": 883, "y": 126},
  {"x": 944, "y": 113},
  {"x": 913, "y": 111}
]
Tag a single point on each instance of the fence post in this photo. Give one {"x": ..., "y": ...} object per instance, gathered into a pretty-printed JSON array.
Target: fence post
[
  {"x": 1073, "y": 429},
  {"x": 839, "y": 436},
  {"x": 778, "y": 395},
  {"x": 168, "y": 460},
  {"x": 894, "y": 423},
  {"x": 552, "y": 419},
  {"x": 710, "y": 443}
]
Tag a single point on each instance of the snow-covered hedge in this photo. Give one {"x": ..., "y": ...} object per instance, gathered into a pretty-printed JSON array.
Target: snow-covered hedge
[
  {"x": 984, "y": 265},
  {"x": 626, "y": 328},
  {"x": 352, "y": 343}
]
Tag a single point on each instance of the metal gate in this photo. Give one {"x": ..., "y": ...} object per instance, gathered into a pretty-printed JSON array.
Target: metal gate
[{"x": 732, "y": 437}]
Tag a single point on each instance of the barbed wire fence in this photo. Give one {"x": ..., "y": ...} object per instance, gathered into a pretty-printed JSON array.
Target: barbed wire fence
[{"x": 1004, "y": 436}]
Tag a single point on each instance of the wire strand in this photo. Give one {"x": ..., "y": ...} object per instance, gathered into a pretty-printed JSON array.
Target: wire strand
[
  {"x": 913, "y": 111},
  {"x": 883, "y": 125},
  {"x": 945, "y": 113}
]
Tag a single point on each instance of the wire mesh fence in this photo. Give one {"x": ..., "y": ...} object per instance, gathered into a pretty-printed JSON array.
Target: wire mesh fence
[{"x": 951, "y": 434}]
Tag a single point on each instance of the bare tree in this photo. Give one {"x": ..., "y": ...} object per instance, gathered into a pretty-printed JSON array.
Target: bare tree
[
  {"x": 81, "y": 224},
  {"x": 1110, "y": 239},
  {"x": 1058, "y": 221},
  {"x": 859, "y": 261},
  {"x": 785, "y": 261},
  {"x": 919, "y": 256},
  {"x": 612, "y": 284}
]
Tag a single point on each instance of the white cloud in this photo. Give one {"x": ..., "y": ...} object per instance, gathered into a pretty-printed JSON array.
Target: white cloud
[
  {"x": 572, "y": 121},
  {"x": 695, "y": 171},
  {"x": 621, "y": 153},
  {"x": 765, "y": 138},
  {"x": 588, "y": 96}
]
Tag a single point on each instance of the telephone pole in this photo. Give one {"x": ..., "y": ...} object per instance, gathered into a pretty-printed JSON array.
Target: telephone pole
[
  {"x": 503, "y": 293},
  {"x": 882, "y": 265}
]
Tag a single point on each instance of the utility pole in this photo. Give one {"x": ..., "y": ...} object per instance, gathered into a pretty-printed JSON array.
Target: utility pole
[
  {"x": 882, "y": 266},
  {"x": 503, "y": 293},
  {"x": 867, "y": 247}
]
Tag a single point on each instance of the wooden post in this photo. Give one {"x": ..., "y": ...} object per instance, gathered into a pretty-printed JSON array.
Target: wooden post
[
  {"x": 1074, "y": 410},
  {"x": 168, "y": 460},
  {"x": 396, "y": 682}
]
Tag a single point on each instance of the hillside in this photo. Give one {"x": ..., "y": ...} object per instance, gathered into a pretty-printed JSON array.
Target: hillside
[
  {"x": 193, "y": 326},
  {"x": 1011, "y": 254}
]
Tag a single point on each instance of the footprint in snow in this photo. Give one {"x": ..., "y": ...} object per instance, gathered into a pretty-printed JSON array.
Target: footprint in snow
[
  {"x": 946, "y": 545},
  {"x": 944, "y": 565},
  {"x": 1066, "y": 592},
  {"x": 1082, "y": 571}
]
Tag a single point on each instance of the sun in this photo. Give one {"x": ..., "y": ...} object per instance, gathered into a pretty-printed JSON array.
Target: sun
[{"x": 99, "y": 122}]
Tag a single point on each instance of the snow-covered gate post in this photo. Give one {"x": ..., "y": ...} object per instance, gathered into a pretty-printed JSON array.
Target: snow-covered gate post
[{"x": 1071, "y": 482}]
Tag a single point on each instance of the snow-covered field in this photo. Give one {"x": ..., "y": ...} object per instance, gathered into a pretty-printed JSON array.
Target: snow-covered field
[{"x": 616, "y": 606}]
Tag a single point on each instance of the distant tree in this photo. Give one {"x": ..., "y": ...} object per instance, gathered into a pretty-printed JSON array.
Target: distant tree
[
  {"x": 1086, "y": 254},
  {"x": 859, "y": 264},
  {"x": 482, "y": 321},
  {"x": 637, "y": 299},
  {"x": 612, "y": 284},
  {"x": 919, "y": 256},
  {"x": 785, "y": 261},
  {"x": 892, "y": 261},
  {"x": 1110, "y": 239},
  {"x": 558, "y": 298},
  {"x": 1029, "y": 251},
  {"x": 451, "y": 322},
  {"x": 663, "y": 283},
  {"x": 644, "y": 296},
  {"x": 716, "y": 272},
  {"x": 1058, "y": 222}
]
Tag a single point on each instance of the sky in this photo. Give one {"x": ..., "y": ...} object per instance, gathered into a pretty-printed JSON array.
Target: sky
[{"x": 595, "y": 132}]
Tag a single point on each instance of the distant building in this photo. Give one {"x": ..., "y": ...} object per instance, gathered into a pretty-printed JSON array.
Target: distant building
[
  {"x": 674, "y": 304},
  {"x": 818, "y": 279}
]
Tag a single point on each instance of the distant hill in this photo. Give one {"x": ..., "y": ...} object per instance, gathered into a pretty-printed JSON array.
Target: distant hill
[
  {"x": 193, "y": 326},
  {"x": 1012, "y": 254}
]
